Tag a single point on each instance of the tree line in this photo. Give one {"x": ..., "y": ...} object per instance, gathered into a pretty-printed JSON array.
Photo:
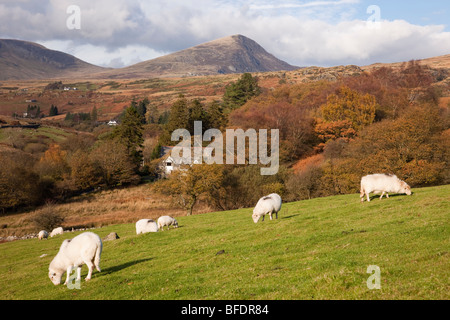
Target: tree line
[{"x": 331, "y": 133}]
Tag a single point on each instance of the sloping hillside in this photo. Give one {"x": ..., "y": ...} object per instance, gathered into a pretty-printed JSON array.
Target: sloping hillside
[
  {"x": 317, "y": 249},
  {"x": 233, "y": 54},
  {"x": 28, "y": 60},
  {"x": 433, "y": 62}
]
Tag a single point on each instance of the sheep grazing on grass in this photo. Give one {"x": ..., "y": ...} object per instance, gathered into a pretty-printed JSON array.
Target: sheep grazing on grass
[
  {"x": 42, "y": 235},
  {"x": 267, "y": 205},
  {"x": 146, "y": 225},
  {"x": 85, "y": 248},
  {"x": 167, "y": 221},
  {"x": 382, "y": 183},
  {"x": 56, "y": 231}
]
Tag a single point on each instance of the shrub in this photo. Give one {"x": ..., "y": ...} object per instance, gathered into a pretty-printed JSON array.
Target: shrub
[{"x": 48, "y": 219}]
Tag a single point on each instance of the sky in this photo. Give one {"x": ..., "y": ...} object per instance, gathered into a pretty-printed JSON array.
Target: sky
[{"x": 118, "y": 33}]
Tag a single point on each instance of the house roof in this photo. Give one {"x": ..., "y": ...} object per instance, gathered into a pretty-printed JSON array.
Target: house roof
[{"x": 166, "y": 155}]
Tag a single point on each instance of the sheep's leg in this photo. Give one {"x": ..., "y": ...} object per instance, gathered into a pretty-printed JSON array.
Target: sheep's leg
[
  {"x": 97, "y": 267},
  {"x": 68, "y": 272},
  {"x": 276, "y": 215},
  {"x": 263, "y": 217},
  {"x": 78, "y": 273},
  {"x": 90, "y": 266},
  {"x": 387, "y": 195},
  {"x": 270, "y": 215},
  {"x": 368, "y": 198},
  {"x": 382, "y": 194}
]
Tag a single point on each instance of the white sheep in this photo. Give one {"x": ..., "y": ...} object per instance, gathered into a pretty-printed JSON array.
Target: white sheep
[
  {"x": 56, "y": 231},
  {"x": 384, "y": 184},
  {"x": 42, "y": 235},
  {"x": 167, "y": 221},
  {"x": 85, "y": 248},
  {"x": 267, "y": 205},
  {"x": 146, "y": 225}
]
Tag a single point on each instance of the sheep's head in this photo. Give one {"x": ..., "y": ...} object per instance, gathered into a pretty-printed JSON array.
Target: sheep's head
[
  {"x": 55, "y": 276},
  {"x": 408, "y": 191},
  {"x": 405, "y": 188},
  {"x": 175, "y": 223},
  {"x": 256, "y": 217}
]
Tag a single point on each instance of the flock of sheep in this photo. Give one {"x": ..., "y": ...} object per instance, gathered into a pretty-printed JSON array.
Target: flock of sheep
[{"x": 86, "y": 248}]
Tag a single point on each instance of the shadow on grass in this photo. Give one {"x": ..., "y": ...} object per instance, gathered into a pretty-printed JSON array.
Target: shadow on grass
[
  {"x": 377, "y": 196},
  {"x": 291, "y": 216},
  {"x": 122, "y": 266}
]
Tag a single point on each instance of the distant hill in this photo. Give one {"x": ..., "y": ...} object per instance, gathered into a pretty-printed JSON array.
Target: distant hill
[
  {"x": 21, "y": 60},
  {"x": 232, "y": 54},
  {"x": 439, "y": 62}
]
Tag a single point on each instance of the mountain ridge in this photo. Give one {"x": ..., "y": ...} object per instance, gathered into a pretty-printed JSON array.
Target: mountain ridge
[
  {"x": 21, "y": 60},
  {"x": 24, "y": 60},
  {"x": 231, "y": 54}
]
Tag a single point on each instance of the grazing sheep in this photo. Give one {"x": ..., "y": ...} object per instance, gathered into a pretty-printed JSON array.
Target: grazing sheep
[
  {"x": 267, "y": 205},
  {"x": 42, "y": 235},
  {"x": 84, "y": 248},
  {"x": 382, "y": 183},
  {"x": 146, "y": 225},
  {"x": 167, "y": 221},
  {"x": 56, "y": 231}
]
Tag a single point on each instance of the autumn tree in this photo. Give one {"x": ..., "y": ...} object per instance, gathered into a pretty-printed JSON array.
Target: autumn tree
[
  {"x": 75, "y": 142},
  {"x": 84, "y": 172},
  {"x": 412, "y": 146},
  {"x": 304, "y": 182},
  {"x": 53, "y": 163},
  {"x": 117, "y": 168},
  {"x": 330, "y": 131},
  {"x": 19, "y": 184},
  {"x": 348, "y": 104},
  {"x": 294, "y": 123},
  {"x": 187, "y": 186},
  {"x": 243, "y": 185}
]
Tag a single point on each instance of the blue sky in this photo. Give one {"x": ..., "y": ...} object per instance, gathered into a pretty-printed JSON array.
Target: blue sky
[
  {"x": 117, "y": 33},
  {"x": 418, "y": 12}
]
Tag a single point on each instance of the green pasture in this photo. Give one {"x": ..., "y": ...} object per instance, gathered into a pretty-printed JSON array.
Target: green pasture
[{"x": 317, "y": 249}]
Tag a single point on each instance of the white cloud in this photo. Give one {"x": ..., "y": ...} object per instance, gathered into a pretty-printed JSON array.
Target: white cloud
[
  {"x": 116, "y": 32},
  {"x": 302, "y": 5},
  {"x": 103, "y": 56}
]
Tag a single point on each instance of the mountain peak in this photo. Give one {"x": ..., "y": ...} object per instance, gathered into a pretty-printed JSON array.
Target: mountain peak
[{"x": 230, "y": 54}]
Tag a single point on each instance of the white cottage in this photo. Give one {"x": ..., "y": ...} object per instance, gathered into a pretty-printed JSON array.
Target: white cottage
[{"x": 169, "y": 163}]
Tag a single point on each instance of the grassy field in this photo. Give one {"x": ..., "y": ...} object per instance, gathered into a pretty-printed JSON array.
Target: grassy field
[{"x": 317, "y": 249}]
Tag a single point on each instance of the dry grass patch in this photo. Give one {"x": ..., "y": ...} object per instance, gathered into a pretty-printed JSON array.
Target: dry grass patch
[{"x": 99, "y": 209}]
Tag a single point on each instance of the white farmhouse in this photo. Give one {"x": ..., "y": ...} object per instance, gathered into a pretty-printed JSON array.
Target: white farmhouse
[{"x": 168, "y": 163}]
